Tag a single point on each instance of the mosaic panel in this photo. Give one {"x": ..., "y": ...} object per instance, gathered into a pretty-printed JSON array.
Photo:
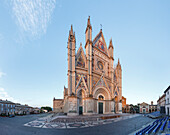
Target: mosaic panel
[
  {"x": 95, "y": 81},
  {"x": 101, "y": 83},
  {"x": 77, "y": 78},
  {"x": 100, "y": 45},
  {"x": 80, "y": 62}
]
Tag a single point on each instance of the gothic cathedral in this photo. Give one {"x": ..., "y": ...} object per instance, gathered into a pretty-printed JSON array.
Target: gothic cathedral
[{"x": 94, "y": 83}]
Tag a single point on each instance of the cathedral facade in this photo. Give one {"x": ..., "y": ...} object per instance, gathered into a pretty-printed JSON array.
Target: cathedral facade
[{"x": 94, "y": 83}]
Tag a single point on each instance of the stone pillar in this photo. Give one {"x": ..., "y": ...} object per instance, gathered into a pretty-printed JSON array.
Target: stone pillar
[
  {"x": 112, "y": 107},
  {"x": 72, "y": 106},
  {"x": 120, "y": 107},
  {"x": 89, "y": 106}
]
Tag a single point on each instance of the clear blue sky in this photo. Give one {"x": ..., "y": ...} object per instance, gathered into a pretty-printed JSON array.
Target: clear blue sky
[{"x": 33, "y": 45}]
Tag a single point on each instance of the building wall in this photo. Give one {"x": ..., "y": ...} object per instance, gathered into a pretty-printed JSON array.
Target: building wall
[
  {"x": 7, "y": 108},
  {"x": 123, "y": 101},
  {"x": 152, "y": 108},
  {"x": 58, "y": 105},
  {"x": 144, "y": 108},
  {"x": 126, "y": 109},
  {"x": 161, "y": 102},
  {"x": 167, "y": 103}
]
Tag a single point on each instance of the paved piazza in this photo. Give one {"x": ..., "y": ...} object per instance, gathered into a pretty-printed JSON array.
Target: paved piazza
[
  {"x": 65, "y": 122},
  {"x": 41, "y": 125}
]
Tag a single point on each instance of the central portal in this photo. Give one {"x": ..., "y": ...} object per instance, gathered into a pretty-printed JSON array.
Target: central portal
[
  {"x": 80, "y": 110},
  {"x": 100, "y": 108}
]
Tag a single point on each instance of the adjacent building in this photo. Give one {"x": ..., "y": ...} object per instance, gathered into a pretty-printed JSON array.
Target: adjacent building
[
  {"x": 58, "y": 105},
  {"x": 167, "y": 100},
  {"x": 143, "y": 108},
  {"x": 7, "y": 107},
  {"x": 94, "y": 81},
  {"x": 147, "y": 108},
  {"x": 36, "y": 110},
  {"x": 22, "y": 109},
  {"x": 152, "y": 107},
  {"x": 161, "y": 104},
  {"x": 123, "y": 101},
  {"x": 126, "y": 108}
]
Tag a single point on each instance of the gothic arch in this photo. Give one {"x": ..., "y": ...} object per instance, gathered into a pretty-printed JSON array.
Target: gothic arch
[
  {"x": 79, "y": 86},
  {"x": 81, "y": 89},
  {"x": 103, "y": 91}
]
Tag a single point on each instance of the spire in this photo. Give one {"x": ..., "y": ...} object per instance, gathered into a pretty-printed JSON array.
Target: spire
[
  {"x": 111, "y": 44},
  {"x": 88, "y": 22},
  {"x": 118, "y": 62},
  {"x": 71, "y": 31},
  {"x": 80, "y": 43},
  {"x": 71, "y": 34}
]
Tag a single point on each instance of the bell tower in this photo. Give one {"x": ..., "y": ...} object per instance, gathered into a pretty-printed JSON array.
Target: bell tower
[
  {"x": 71, "y": 62},
  {"x": 71, "y": 101},
  {"x": 111, "y": 63},
  {"x": 119, "y": 81}
]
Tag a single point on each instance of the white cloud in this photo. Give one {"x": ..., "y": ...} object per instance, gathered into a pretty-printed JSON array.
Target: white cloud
[
  {"x": 33, "y": 16},
  {"x": 2, "y": 74},
  {"x": 4, "y": 95}
]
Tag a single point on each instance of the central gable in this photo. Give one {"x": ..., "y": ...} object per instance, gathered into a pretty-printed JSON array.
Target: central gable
[{"x": 99, "y": 43}]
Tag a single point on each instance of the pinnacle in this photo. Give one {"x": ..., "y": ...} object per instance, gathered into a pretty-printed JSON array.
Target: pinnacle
[
  {"x": 88, "y": 22},
  {"x": 118, "y": 62},
  {"x": 111, "y": 44},
  {"x": 71, "y": 31}
]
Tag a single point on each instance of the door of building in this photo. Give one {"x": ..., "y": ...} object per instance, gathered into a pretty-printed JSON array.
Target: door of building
[
  {"x": 80, "y": 110},
  {"x": 168, "y": 110},
  {"x": 100, "y": 108}
]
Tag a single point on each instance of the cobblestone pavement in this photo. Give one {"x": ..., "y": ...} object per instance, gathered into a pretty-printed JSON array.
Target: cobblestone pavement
[{"x": 64, "y": 122}]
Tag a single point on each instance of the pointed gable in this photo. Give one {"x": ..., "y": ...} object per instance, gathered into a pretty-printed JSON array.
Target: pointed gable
[
  {"x": 80, "y": 58},
  {"x": 82, "y": 83},
  {"x": 116, "y": 91},
  {"x": 99, "y": 43},
  {"x": 102, "y": 82}
]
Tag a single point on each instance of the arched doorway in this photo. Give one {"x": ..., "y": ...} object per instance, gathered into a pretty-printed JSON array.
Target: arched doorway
[{"x": 103, "y": 96}]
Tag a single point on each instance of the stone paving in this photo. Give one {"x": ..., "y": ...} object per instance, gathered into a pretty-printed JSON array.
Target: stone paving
[{"x": 65, "y": 122}]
